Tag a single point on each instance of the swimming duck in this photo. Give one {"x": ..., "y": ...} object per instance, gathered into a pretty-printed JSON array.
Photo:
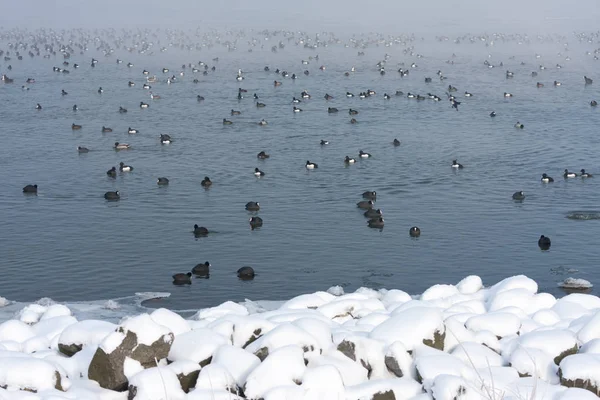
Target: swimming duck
[
  {"x": 557, "y": 83},
  {"x": 130, "y": 130},
  {"x": 467, "y": 94},
  {"x": 105, "y": 129},
  {"x": 544, "y": 242},
  {"x": 81, "y": 149},
  {"x": 352, "y": 112},
  {"x": 200, "y": 98},
  {"x": 144, "y": 105},
  {"x": 353, "y": 121},
  {"x": 234, "y": 112},
  {"x": 146, "y": 86},
  {"x": 162, "y": 181},
  {"x": 362, "y": 154},
  {"x": 588, "y": 81},
  {"x": 310, "y": 165},
  {"x": 324, "y": 142},
  {"x": 455, "y": 164},
  {"x": 297, "y": 110},
  {"x": 201, "y": 269},
  {"x": 539, "y": 84},
  {"x": 200, "y": 230},
  {"x": 585, "y": 174},
  {"x": 546, "y": 178},
  {"x": 376, "y": 223},
  {"x": 38, "y": 106},
  {"x": 332, "y": 110},
  {"x": 295, "y": 100},
  {"x": 519, "y": 125},
  {"x": 276, "y": 83},
  {"x": 349, "y": 160},
  {"x": 30, "y": 189},
  {"x": 370, "y": 195},
  {"x": 348, "y": 94},
  {"x": 122, "y": 110},
  {"x": 63, "y": 92},
  {"x": 396, "y": 142},
  {"x": 165, "y": 138},
  {"x": 252, "y": 206},
  {"x": 112, "y": 172},
  {"x": 260, "y": 105},
  {"x": 131, "y": 84},
  {"x": 100, "y": 90},
  {"x": 227, "y": 122},
  {"x": 144, "y": 72},
  {"x": 182, "y": 279},
  {"x": 262, "y": 155},
  {"x": 372, "y": 213},
  {"x": 365, "y": 204},
  {"x": 328, "y": 96},
  {"x": 518, "y": 195},
  {"x": 414, "y": 231},
  {"x": 258, "y": 172},
  {"x": 255, "y": 222},
  {"x": 75, "y": 108},
  {"x": 125, "y": 168},
  {"x": 154, "y": 96},
  {"x": 75, "y": 127},
  {"x": 493, "y": 114},
  {"x": 506, "y": 94},
  {"x": 121, "y": 146},
  {"x": 386, "y": 96},
  {"x": 263, "y": 122},
  {"x": 206, "y": 182},
  {"x": 246, "y": 273},
  {"x": 568, "y": 174},
  {"x": 113, "y": 196}
]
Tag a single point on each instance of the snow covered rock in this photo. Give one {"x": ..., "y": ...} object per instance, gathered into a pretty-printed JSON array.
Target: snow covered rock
[
  {"x": 138, "y": 338},
  {"x": 197, "y": 345},
  {"x": 28, "y": 373},
  {"x": 499, "y": 323},
  {"x": 156, "y": 383},
  {"x": 283, "y": 335},
  {"x": 412, "y": 327},
  {"x": 284, "y": 367},
  {"x": 384, "y": 389},
  {"x": 398, "y": 361},
  {"x": 187, "y": 372},
  {"x": 84, "y": 333},
  {"x": 581, "y": 371},
  {"x": 238, "y": 362}
]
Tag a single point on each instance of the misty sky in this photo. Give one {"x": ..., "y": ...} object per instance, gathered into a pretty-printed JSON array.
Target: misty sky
[{"x": 389, "y": 16}]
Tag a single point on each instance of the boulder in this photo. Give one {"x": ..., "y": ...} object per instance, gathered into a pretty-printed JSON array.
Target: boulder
[
  {"x": 581, "y": 371},
  {"x": 139, "y": 339}
]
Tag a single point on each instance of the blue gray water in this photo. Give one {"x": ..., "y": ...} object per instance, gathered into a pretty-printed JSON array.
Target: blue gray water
[{"x": 69, "y": 244}]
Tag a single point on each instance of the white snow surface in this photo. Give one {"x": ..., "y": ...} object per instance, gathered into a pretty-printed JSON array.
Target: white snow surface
[{"x": 488, "y": 336}]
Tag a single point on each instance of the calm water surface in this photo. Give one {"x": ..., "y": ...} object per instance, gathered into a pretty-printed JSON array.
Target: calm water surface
[{"x": 69, "y": 244}]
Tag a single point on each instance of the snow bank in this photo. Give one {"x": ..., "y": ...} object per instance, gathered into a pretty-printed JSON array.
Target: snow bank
[{"x": 460, "y": 341}]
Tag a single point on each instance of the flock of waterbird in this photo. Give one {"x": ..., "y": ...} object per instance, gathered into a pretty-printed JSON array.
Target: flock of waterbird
[{"x": 50, "y": 44}]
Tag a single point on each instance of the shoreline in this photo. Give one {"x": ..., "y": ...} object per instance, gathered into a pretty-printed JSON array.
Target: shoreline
[{"x": 462, "y": 340}]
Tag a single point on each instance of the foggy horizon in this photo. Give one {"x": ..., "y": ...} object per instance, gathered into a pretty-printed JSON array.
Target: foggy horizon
[{"x": 351, "y": 16}]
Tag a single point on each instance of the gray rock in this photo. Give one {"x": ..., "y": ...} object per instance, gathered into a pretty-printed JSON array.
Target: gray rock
[
  {"x": 392, "y": 365},
  {"x": 388, "y": 395},
  {"x": 69, "y": 350},
  {"x": 438, "y": 340},
  {"x": 188, "y": 381},
  {"x": 262, "y": 353},
  {"x": 107, "y": 369},
  {"x": 348, "y": 349}
]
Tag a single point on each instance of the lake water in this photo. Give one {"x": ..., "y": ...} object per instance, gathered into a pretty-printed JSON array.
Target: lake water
[{"x": 69, "y": 244}]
